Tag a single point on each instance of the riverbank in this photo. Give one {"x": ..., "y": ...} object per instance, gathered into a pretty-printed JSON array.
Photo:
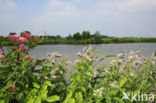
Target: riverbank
[{"x": 108, "y": 40}]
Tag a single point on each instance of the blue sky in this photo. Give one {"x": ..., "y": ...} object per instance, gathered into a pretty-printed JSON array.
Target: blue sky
[{"x": 111, "y": 17}]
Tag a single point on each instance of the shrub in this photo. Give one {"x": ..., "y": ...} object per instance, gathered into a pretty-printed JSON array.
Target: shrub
[{"x": 25, "y": 79}]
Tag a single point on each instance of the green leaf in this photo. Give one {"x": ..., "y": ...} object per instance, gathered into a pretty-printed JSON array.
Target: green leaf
[
  {"x": 5, "y": 69},
  {"x": 53, "y": 98},
  {"x": 36, "y": 85},
  {"x": 70, "y": 100},
  {"x": 38, "y": 99},
  {"x": 3, "y": 100},
  {"x": 29, "y": 99},
  {"x": 79, "y": 97},
  {"x": 122, "y": 81},
  {"x": 68, "y": 97},
  {"x": 48, "y": 83}
]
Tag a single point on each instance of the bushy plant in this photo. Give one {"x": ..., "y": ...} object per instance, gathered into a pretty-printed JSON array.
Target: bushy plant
[{"x": 25, "y": 79}]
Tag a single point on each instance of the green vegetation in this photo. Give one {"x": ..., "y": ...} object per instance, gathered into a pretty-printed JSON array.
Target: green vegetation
[
  {"x": 29, "y": 80},
  {"x": 86, "y": 38},
  {"x": 127, "y": 78}
]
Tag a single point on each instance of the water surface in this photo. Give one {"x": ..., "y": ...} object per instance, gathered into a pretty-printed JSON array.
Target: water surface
[{"x": 70, "y": 51}]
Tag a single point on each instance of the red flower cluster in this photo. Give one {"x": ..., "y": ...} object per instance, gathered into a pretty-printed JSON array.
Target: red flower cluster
[
  {"x": 2, "y": 54},
  {"x": 26, "y": 35},
  {"x": 20, "y": 40},
  {"x": 35, "y": 38},
  {"x": 13, "y": 38},
  {"x": 28, "y": 58},
  {"x": 21, "y": 48}
]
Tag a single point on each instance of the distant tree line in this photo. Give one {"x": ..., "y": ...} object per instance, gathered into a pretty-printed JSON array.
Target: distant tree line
[
  {"x": 79, "y": 36},
  {"x": 83, "y": 38}
]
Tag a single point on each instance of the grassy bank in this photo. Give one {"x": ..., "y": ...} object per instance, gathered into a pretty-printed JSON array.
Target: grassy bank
[{"x": 5, "y": 40}]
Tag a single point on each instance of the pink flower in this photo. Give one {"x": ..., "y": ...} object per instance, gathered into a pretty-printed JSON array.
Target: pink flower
[
  {"x": 2, "y": 55},
  {"x": 21, "y": 40},
  {"x": 21, "y": 48},
  {"x": 28, "y": 58},
  {"x": 13, "y": 38},
  {"x": 26, "y": 35},
  {"x": 35, "y": 38},
  {"x": 10, "y": 37}
]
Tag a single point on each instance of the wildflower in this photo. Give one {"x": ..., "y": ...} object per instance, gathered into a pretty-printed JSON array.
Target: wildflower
[
  {"x": 53, "y": 72},
  {"x": 13, "y": 38},
  {"x": 55, "y": 54},
  {"x": 60, "y": 64},
  {"x": 95, "y": 73},
  {"x": 77, "y": 61},
  {"x": 131, "y": 53},
  {"x": 54, "y": 61},
  {"x": 61, "y": 72},
  {"x": 98, "y": 92},
  {"x": 21, "y": 48},
  {"x": 79, "y": 54},
  {"x": 130, "y": 57},
  {"x": 113, "y": 84},
  {"x": 56, "y": 69},
  {"x": 2, "y": 55},
  {"x": 21, "y": 40},
  {"x": 39, "y": 62},
  {"x": 26, "y": 35},
  {"x": 67, "y": 62},
  {"x": 28, "y": 58},
  {"x": 121, "y": 61},
  {"x": 137, "y": 54},
  {"x": 89, "y": 74},
  {"x": 54, "y": 77},
  {"x": 121, "y": 69},
  {"x": 84, "y": 50},
  {"x": 35, "y": 38},
  {"x": 88, "y": 57},
  {"x": 132, "y": 74},
  {"x": 137, "y": 62},
  {"x": 121, "y": 55},
  {"x": 153, "y": 62}
]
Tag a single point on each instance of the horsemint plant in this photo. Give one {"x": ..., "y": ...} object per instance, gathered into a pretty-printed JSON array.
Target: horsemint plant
[{"x": 24, "y": 79}]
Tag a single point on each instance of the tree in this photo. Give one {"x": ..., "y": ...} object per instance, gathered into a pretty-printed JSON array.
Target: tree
[
  {"x": 69, "y": 37},
  {"x": 86, "y": 35},
  {"x": 77, "y": 36},
  {"x": 58, "y": 37},
  {"x": 97, "y": 35}
]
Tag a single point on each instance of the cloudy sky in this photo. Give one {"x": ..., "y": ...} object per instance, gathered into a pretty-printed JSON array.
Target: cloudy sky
[{"x": 110, "y": 17}]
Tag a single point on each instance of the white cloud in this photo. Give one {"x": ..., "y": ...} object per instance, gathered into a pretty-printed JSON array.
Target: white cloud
[
  {"x": 116, "y": 7},
  {"x": 6, "y": 8},
  {"x": 70, "y": 16},
  {"x": 6, "y": 5},
  {"x": 56, "y": 7},
  {"x": 67, "y": 17}
]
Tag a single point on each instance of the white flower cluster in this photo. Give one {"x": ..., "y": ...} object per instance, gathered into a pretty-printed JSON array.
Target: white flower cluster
[
  {"x": 53, "y": 72},
  {"x": 53, "y": 55},
  {"x": 86, "y": 54},
  {"x": 98, "y": 92}
]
